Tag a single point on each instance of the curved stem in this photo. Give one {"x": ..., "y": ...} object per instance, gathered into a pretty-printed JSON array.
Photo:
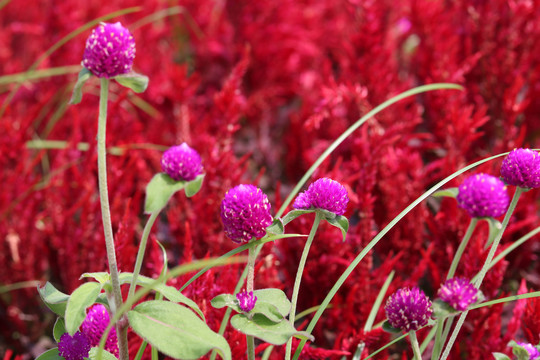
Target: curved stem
[
  {"x": 106, "y": 215},
  {"x": 461, "y": 248},
  {"x": 140, "y": 253},
  {"x": 484, "y": 269},
  {"x": 298, "y": 279},
  {"x": 415, "y": 346}
]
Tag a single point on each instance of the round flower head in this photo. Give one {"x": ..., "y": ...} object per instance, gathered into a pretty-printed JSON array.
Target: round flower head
[
  {"x": 246, "y": 300},
  {"x": 181, "y": 163},
  {"x": 245, "y": 213},
  {"x": 534, "y": 354},
  {"x": 483, "y": 195},
  {"x": 459, "y": 293},
  {"x": 326, "y": 194},
  {"x": 74, "y": 347},
  {"x": 109, "y": 51},
  {"x": 408, "y": 309},
  {"x": 94, "y": 325},
  {"x": 522, "y": 168}
]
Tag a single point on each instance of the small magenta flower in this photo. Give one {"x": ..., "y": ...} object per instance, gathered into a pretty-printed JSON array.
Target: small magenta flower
[
  {"x": 326, "y": 194},
  {"x": 522, "y": 168},
  {"x": 246, "y": 300},
  {"x": 459, "y": 293},
  {"x": 109, "y": 51},
  {"x": 245, "y": 213},
  {"x": 408, "y": 309},
  {"x": 534, "y": 354},
  {"x": 94, "y": 325},
  {"x": 181, "y": 162},
  {"x": 76, "y": 347},
  {"x": 483, "y": 195}
]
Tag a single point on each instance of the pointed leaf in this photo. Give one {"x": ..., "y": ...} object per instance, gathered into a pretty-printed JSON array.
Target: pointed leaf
[
  {"x": 59, "y": 329},
  {"x": 51, "y": 354},
  {"x": 76, "y": 96},
  {"x": 450, "y": 192},
  {"x": 276, "y": 227},
  {"x": 100, "y": 277},
  {"x": 494, "y": 227},
  {"x": 193, "y": 186},
  {"x": 293, "y": 214},
  {"x": 176, "y": 331},
  {"x": 53, "y": 298},
  {"x": 105, "y": 355},
  {"x": 136, "y": 82},
  {"x": 159, "y": 190},
  {"x": 341, "y": 223},
  {"x": 84, "y": 296},
  {"x": 262, "y": 328}
]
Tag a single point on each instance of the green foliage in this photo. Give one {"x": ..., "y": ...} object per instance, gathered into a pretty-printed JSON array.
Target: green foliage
[
  {"x": 176, "y": 331},
  {"x": 442, "y": 309},
  {"x": 500, "y": 356},
  {"x": 271, "y": 332},
  {"x": 389, "y": 328},
  {"x": 84, "y": 296},
  {"x": 449, "y": 192},
  {"x": 59, "y": 328},
  {"x": 276, "y": 228},
  {"x": 494, "y": 227},
  {"x": 341, "y": 223},
  {"x": 51, "y": 354},
  {"x": 105, "y": 355},
  {"x": 136, "y": 82},
  {"x": 293, "y": 214},
  {"x": 160, "y": 189},
  {"x": 84, "y": 75},
  {"x": 53, "y": 298}
]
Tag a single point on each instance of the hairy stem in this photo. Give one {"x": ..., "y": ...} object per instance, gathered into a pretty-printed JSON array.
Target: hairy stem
[{"x": 415, "y": 346}]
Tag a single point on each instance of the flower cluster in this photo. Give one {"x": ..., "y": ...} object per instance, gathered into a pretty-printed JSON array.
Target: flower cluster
[
  {"x": 74, "y": 347},
  {"x": 94, "y": 325},
  {"x": 326, "y": 194},
  {"x": 522, "y": 168},
  {"x": 408, "y": 309},
  {"x": 246, "y": 300},
  {"x": 483, "y": 195},
  {"x": 245, "y": 212},
  {"x": 459, "y": 293},
  {"x": 181, "y": 162}
]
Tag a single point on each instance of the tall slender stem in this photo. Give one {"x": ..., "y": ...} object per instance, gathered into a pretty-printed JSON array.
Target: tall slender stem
[
  {"x": 415, "y": 347},
  {"x": 121, "y": 329},
  {"x": 484, "y": 269},
  {"x": 298, "y": 279},
  {"x": 140, "y": 253},
  {"x": 252, "y": 254},
  {"x": 461, "y": 248}
]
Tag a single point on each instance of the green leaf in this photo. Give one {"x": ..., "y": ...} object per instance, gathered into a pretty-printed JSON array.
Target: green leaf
[
  {"x": 59, "y": 328},
  {"x": 262, "y": 328},
  {"x": 76, "y": 96},
  {"x": 100, "y": 277},
  {"x": 84, "y": 296},
  {"x": 389, "y": 328},
  {"x": 293, "y": 214},
  {"x": 442, "y": 309},
  {"x": 450, "y": 192},
  {"x": 160, "y": 189},
  {"x": 51, "y": 354},
  {"x": 519, "y": 351},
  {"x": 276, "y": 227},
  {"x": 176, "y": 331},
  {"x": 105, "y": 355},
  {"x": 494, "y": 227},
  {"x": 341, "y": 223},
  {"x": 53, "y": 298},
  {"x": 275, "y": 298},
  {"x": 500, "y": 356},
  {"x": 136, "y": 82}
]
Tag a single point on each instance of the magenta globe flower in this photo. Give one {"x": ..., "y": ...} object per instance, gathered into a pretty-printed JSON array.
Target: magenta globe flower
[
  {"x": 94, "y": 325},
  {"x": 245, "y": 213},
  {"x": 74, "y": 347},
  {"x": 246, "y": 300},
  {"x": 109, "y": 51},
  {"x": 459, "y": 293},
  {"x": 483, "y": 195},
  {"x": 181, "y": 163},
  {"x": 408, "y": 309},
  {"x": 522, "y": 168},
  {"x": 326, "y": 194}
]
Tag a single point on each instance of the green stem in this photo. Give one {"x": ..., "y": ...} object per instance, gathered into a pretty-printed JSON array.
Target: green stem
[
  {"x": 415, "y": 346},
  {"x": 106, "y": 216},
  {"x": 461, "y": 248},
  {"x": 484, "y": 269},
  {"x": 298, "y": 279},
  {"x": 437, "y": 346},
  {"x": 140, "y": 253},
  {"x": 252, "y": 254}
]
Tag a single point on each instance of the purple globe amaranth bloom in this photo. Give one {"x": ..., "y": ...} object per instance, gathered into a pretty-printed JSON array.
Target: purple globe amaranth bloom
[
  {"x": 245, "y": 213},
  {"x": 94, "y": 325},
  {"x": 522, "y": 168},
  {"x": 181, "y": 162},
  {"x": 534, "y": 354},
  {"x": 459, "y": 293},
  {"x": 110, "y": 51},
  {"x": 76, "y": 347},
  {"x": 246, "y": 300},
  {"x": 483, "y": 195},
  {"x": 408, "y": 309},
  {"x": 326, "y": 194}
]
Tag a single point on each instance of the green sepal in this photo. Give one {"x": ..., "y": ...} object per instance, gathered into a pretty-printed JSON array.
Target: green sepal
[
  {"x": 494, "y": 227},
  {"x": 268, "y": 331},
  {"x": 160, "y": 189},
  {"x": 76, "y": 96},
  {"x": 450, "y": 192},
  {"x": 136, "y": 82},
  {"x": 276, "y": 228},
  {"x": 59, "y": 329},
  {"x": 293, "y": 214},
  {"x": 341, "y": 222},
  {"x": 442, "y": 310},
  {"x": 84, "y": 296},
  {"x": 176, "y": 331},
  {"x": 389, "y": 328},
  {"x": 51, "y": 354},
  {"x": 53, "y": 298},
  {"x": 105, "y": 355}
]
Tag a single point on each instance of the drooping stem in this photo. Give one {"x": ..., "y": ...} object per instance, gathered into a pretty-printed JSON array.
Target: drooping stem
[
  {"x": 484, "y": 269},
  {"x": 140, "y": 253},
  {"x": 461, "y": 248},
  {"x": 249, "y": 287},
  {"x": 415, "y": 347},
  {"x": 298, "y": 279},
  {"x": 121, "y": 329}
]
